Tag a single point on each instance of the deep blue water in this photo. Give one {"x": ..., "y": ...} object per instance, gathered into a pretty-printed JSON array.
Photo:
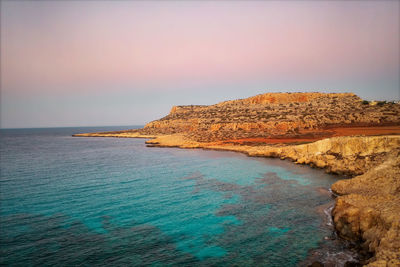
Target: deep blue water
[{"x": 99, "y": 201}]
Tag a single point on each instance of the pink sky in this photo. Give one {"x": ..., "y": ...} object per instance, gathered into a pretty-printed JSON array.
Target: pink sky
[{"x": 79, "y": 60}]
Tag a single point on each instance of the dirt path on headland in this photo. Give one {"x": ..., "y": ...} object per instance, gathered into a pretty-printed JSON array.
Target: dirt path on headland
[
  {"x": 377, "y": 130},
  {"x": 317, "y": 135}
]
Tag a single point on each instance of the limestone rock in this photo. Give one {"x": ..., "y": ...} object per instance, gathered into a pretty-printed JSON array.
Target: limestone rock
[
  {"x": 369, "y": 210},
  {"x": 271, "y": 115},
  {"x": 368, "y": 206}
]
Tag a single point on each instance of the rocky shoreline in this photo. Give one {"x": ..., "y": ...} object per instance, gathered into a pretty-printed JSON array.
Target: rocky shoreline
[
  {"x": 367, "y": 209},
  {"x": 340, "y": 133}
]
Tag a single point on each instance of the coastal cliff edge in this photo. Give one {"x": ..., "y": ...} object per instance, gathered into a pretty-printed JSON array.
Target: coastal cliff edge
[{"x": 337, "y": 132}]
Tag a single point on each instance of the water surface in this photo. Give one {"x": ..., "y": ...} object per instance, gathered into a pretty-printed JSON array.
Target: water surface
[{"x": 98, "y": 201}]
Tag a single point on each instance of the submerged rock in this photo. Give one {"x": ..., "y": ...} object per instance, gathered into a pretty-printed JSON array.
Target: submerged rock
[
  {"x": 367, "y": 208},
  {"x": 316, "y": 264}
]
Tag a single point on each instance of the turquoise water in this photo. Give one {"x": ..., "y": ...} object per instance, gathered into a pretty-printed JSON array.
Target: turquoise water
[{"x": 100, "y": 201}]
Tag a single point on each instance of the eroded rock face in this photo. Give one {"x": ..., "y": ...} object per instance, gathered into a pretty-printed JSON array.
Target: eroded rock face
[
  {"x": 272, "y": 114},
  {"x": 342, "y": 155},
  {"x": 368, "y": 206},
  {"x": 369, "y": 210}
]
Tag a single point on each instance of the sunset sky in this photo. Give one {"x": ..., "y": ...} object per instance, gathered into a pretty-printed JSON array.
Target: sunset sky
[{"x": 87, "y": 63}]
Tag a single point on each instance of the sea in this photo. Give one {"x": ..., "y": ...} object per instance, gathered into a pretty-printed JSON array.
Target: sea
[{"x": 69, "y": 201}]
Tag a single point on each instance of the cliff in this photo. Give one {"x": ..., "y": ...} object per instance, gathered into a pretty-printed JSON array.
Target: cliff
[
  {"x": 367, "y": 208},
  {"x": 274, "y": 115},
  {"x": 337, "y": 132}
]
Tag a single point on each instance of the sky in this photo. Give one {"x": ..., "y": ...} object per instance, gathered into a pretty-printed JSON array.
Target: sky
[{"x": 95, "y": 63}]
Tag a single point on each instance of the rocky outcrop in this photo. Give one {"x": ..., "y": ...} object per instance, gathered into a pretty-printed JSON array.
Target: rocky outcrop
[
  {"x": 367, "y": 208},
  {"x": 273, "y": 115},
  {"x": 346, "y": 155},
  {"x": 341, "y": 155},
  {"x": 286, "y": 98}
]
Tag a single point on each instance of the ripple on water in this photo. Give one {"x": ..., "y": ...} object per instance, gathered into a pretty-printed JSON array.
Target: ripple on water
[{"x": 95, "y": 201}]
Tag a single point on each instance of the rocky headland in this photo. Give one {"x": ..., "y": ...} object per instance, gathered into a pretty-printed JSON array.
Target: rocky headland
[{"x": 338, "y": 132}]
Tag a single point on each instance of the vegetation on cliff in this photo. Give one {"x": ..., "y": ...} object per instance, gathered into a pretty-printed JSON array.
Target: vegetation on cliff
[
  {"x": 367, "y": 207},
  {"x": 273, "y": 115}
]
